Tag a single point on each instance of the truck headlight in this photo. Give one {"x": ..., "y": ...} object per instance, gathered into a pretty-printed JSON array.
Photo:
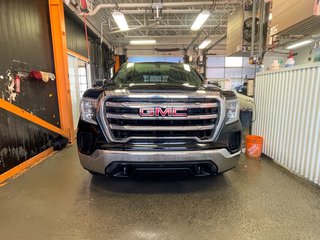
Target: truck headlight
[
  {"x": 232, "y": 111},
  {"x": 88, "y": 110}
]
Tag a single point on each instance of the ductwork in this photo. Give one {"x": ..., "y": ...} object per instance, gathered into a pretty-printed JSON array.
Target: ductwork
[{"x": 149, "y": 5}]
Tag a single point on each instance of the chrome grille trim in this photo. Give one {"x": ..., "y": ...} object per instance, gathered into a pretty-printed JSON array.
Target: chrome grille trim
[
  {"x": 162, "y": 105},
  {"x": 138, "y": 117},
  {"x": 161, "y": 128},
  {"x": 125, "y": 95}
]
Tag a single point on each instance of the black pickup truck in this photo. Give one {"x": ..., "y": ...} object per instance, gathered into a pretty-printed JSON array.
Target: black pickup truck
[{"x": 156, "y": 117}]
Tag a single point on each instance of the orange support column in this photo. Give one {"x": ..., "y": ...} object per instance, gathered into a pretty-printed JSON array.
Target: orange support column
[
  {"x": 59, "y": 43},
  {"x": 117, "y": 64}
]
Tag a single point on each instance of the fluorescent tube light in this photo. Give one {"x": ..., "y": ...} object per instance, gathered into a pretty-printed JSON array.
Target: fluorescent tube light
[
  {"x": 204, "y": 44},
  {"x": 120, "y": 20},
  {"x": 202, "y": 17},
  {"x": 300, "y": 44},
  {"x": 142, "y": 42}
]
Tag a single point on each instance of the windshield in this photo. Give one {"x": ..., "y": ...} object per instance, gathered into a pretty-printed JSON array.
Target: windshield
[{"x": 158, "y": 73}]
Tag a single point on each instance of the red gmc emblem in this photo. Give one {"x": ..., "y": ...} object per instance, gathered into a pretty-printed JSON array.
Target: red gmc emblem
[{"x": 163, "y": 112}]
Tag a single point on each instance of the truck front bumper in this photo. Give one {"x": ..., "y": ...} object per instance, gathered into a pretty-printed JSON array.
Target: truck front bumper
[{"x": 100, "y": 160}]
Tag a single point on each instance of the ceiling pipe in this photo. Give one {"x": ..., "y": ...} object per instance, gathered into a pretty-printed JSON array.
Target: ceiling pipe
[
  {"x": 215, "y": 44},
  {"x": 155, "y": 26},
  {"x": 168, "y": 36},
  {"x": 196, "y": 37},
  {"x": 173, "y": 11},
  {"x": 134, "y": 28},
  {"x": 162, "y": 43},
  {"x": 149, "y": 5},
  {"x": 167, "y": 49},
  {"x": 155, "y": 49},
  {"x": 176, "y": 26},
  {"x": 211, "y": 32}
]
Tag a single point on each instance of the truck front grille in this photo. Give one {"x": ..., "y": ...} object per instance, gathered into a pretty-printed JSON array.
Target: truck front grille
[{"x": 124, "y": 122}]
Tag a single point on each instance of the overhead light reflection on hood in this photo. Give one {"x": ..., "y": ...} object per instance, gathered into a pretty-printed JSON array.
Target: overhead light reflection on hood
[{"x": 186, "y": 67}]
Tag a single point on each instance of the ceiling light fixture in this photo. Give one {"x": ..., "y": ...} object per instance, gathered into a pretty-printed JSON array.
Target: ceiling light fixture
[
  {"x": 204, "y": 44},
  {"x": 120, "y": 20},
  {"x": 142, "y": 42},
  {"x": 300, "y": 44},
  {"x": 202, "y": 17}
]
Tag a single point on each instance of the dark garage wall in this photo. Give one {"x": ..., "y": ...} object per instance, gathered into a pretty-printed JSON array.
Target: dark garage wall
[
  {"x": 25, "y": 36},
  {"x": 20, "y": 140},
  {"x": 101, "y": 57},
  {"x": 25, "y": 45},
  {"x": 76, "y": 38}
]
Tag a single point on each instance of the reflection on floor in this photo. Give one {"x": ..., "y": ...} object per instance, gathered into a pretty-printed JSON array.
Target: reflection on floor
[{"x": 59, "y": 200}]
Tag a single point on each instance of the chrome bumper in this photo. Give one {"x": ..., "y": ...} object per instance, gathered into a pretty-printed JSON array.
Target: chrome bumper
[{"x": 100, "y": 159}]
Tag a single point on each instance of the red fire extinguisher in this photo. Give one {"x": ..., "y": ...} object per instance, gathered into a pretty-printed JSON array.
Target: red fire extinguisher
[{"x": 17, "y": 81}]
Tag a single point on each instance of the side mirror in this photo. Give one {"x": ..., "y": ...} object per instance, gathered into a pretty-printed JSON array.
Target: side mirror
[
  {"x": 207, "y": 81},
  {"x": 213, "y": 83}
]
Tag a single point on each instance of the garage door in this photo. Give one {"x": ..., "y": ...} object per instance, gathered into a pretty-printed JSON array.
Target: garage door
[{"x": 234, "y": 68}]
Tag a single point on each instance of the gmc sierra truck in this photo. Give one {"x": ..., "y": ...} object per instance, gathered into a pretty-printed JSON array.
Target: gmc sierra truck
[{"x": 158, "y": 117}]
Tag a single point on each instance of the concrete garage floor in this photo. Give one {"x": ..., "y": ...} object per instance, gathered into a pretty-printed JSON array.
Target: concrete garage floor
[{"x": 57, "y": 199}]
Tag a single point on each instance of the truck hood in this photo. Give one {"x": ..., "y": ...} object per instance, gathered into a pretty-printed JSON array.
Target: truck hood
[
  {"x": 163, "y": 88},
  {"x": 157, "y": 89}
]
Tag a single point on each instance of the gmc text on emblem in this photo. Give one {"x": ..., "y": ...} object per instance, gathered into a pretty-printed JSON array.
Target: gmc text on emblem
[{"x": 163, "y": 112}]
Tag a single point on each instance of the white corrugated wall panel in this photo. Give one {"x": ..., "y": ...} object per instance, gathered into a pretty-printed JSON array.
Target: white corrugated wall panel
[{"x": 288, "y": 118}]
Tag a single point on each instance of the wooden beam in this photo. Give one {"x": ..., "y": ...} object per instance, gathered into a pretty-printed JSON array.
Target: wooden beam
[
  {"x": 24, "y": 166},
  {"x": 59, "y": 43},
  {"x": 30, "y": 117}
]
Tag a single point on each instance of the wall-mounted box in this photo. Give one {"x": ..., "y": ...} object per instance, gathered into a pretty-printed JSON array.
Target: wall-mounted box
[
  {"x": 295, "y": 17},
  {"x": 235, "y": 32}
]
